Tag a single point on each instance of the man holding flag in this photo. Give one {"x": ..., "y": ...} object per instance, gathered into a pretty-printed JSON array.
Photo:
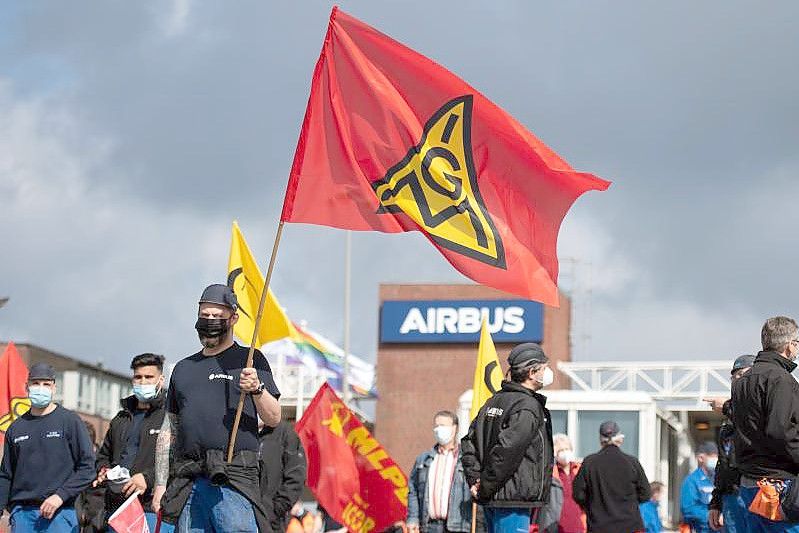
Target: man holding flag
[{"x": 507, "y": 454}]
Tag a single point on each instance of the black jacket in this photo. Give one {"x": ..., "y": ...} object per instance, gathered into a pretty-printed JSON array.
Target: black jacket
[
  {"x": 283, "y": 471},
  {"x": 509, "y": 449},
  {"x": 765, "y": 412},
  {"x": 727, "y": 476},
  {"x": 117, "y": 436},
  {"x": 609, "y": 487}
]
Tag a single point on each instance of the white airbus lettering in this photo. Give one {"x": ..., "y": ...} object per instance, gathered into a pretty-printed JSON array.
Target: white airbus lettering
[
  {"x": 413, "y": 322},
  {"x": 219, "y": 376},
  {"x": 466, "y": 319}
]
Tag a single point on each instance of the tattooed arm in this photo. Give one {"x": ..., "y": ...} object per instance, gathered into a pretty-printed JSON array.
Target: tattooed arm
[{"x": 163, "y": 451}]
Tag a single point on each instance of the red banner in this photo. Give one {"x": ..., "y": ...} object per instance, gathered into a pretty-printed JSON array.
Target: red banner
[
  {"x": 350, "y": 474},
  {"x": 393, "y": 142},
  {"x": 14, "y": 400}
]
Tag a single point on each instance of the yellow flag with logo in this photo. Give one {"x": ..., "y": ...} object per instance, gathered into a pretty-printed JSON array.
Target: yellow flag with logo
[
  {"x": 488, "y": 374},
  {"x": 245, "y": 278}
]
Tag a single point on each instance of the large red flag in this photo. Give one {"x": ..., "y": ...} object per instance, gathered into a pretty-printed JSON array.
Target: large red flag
[
  {"x": 392, "y": 141},
  {"x": 14, "y": 400},
  {"x": 350, "y": 474}
]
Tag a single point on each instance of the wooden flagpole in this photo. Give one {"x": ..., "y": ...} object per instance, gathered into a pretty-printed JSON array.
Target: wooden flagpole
[{"x": 251, "y": 353}]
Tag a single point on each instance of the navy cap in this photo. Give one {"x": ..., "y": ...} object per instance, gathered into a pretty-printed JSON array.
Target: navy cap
[
  {"x": 743, "y": 361},
  {"x": 41, "y": 371},
  {"x": 609, "y": 429},
  {"x": 708, "y": 448},
  {"x": 526, "y": 353},
  {"x": 221, "y": 295}
]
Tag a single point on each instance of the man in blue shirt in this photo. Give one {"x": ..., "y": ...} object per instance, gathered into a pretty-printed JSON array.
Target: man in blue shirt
[
  {"x": 697, "y": 489},
  {"x": 48, "y": 459}
]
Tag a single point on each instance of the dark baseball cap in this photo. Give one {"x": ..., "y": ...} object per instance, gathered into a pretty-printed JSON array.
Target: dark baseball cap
[
  {"x": 609, "y": 429},
  {"x": 221, "y": 295},
  {"x": 41, "y": 371},
  {"x": 743, "y": 361},
  {"x": 708, "y": 448},
  {"x": 526, "y": 353}
]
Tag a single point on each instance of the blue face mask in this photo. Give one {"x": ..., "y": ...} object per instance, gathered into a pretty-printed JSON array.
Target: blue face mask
[
  {"x": 145, "y": 393},
  {"x": 40, "y": 396}
]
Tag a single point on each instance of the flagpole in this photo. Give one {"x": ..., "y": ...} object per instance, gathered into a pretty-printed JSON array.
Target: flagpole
[
  {"x": 251, "y": 353},
  {"x": 345, "y": 378}
]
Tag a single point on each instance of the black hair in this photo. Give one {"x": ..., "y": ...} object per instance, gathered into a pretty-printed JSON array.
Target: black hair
[
  {"x": 520, "y": 373},
  {"x": 148, "y": 359},
  {"x": 449, "y": 414}
]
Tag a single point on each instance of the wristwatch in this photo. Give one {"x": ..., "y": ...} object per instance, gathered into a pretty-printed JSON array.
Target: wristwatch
[{"x": 259, "y": 390}]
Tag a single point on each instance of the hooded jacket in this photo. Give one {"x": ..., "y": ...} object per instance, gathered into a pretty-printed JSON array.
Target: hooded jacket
[{"x": 509, "y": 449}]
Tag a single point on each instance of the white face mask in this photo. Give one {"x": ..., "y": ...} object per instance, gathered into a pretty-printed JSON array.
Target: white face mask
[
  {"x": 565, "y": 457},
  {"x": 444, "y": 434},
  {"x": 711, "y": 463},
  {"x": 548, "y": 377}
]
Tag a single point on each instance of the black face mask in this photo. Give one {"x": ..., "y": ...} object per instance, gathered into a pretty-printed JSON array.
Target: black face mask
[{"x": 212, "y": 328}]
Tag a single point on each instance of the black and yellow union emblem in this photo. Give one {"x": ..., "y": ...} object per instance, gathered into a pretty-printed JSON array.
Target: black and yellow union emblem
[{"x": 436, "y": 186}]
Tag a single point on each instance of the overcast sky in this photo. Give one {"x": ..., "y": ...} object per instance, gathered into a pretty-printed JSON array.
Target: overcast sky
[{"x": 133, "y": 133}]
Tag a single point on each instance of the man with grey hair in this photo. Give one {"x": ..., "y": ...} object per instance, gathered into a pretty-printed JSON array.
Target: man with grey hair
[
  {"x": 610, "y": 485},
  {"x": 765, "y": 411}
]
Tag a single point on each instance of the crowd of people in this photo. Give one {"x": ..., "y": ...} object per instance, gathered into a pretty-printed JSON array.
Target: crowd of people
[{"x": 509, "y": 473}]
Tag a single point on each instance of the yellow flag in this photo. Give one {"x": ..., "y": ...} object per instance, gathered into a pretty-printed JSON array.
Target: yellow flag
[
  {"x": 488, "y": 374},
  {"x": 247, "y": 282}
]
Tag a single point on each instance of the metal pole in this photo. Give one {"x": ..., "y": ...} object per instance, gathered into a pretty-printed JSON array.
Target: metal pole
[{"x": 345, "y": 378}]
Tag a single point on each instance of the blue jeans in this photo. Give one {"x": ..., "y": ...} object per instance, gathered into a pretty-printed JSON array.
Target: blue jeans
[
  {"x": 507, "y": 520},
  {"x": 152, "y": 520},
  {"x": 219, "y": 509},
  {"x": 758, "y": 524},
  {"x": 734, "y": 510},
  {"x": 26, "y": 518}
]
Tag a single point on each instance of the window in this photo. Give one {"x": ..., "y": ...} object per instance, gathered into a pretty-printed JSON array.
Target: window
[
  {"x": 560, "y": 420},
  {"x": 588, "y": 423}
]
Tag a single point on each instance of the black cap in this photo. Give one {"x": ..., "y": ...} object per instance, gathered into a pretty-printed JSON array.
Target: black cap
[
  {"x": 527, "y": 353},
  {"x": 221, "y": 295},
  {"x": 609, "y": 429},
  {"x": 743, "y": 361},
  {"x": 41, "y": 371},
  {"x": 708, "y": 448}
]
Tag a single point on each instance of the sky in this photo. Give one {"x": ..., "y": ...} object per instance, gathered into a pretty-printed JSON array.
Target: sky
[{"x": 132, "y": 134}]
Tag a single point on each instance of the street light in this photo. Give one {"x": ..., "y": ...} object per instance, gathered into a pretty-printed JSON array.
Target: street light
[{"x": 3, "y": 301}]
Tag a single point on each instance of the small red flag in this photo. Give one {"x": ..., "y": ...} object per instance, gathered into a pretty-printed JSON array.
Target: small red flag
[
  {"x": 393, "y": 142},
  {"x": 350, "y": 474},
  {"x": 129, "y": 518},
  {"x": 14, "y": 400}
]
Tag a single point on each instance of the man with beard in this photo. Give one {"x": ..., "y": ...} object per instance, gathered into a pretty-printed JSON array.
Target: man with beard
[{"x": 205, "y": 492}]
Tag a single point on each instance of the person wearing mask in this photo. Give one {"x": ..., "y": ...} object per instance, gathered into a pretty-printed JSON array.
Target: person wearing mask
[
  {"x": 610, "y": 485},
  {"x": 438, "y": 495},
  {"x": 48, "y": 459},
  {"x": 283, "y": 471},
  {"x": 765, "y": 410},
  {"x": 727, "y": 509},
  {"x": 571, "y": 518},
  {"x": 650, "y": 510},
  {"x": 697, "y": 489},
  {"x": 507, "y": 453},
  {"x": 206, "y": 492},
  {"x": 131, "y": 437}
]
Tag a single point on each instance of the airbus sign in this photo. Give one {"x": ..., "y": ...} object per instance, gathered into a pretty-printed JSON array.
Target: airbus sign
[{"x": 434, "y": 321}]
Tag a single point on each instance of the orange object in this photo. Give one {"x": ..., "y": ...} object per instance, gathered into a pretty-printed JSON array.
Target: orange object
[
  {"x": 685, "y": 528},
  {"x": 14, "y": 400},
  {"x": 767, "y": 502}
]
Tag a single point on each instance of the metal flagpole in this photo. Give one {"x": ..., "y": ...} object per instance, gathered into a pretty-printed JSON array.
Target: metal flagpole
[{"x": 345, "y": 378}]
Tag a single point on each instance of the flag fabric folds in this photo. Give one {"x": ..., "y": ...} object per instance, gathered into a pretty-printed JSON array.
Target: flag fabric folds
[
  {"x": 247, "y": 282},
  {"x": 393, "y": 142},
  {"x": 129, "y": 518},
  {"x": 350, "y": 474},
  {"x": 14, "y": 400},
  {"x": 488, "y": 372}
]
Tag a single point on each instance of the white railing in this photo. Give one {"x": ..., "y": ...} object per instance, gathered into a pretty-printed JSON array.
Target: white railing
[{"x": 688, "y": 380}]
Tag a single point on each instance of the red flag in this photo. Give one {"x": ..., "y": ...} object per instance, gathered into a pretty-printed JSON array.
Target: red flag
[
  {"x": 350, "y": 474},
  {"x": 129, "y": 518},
  {"x": 393, "y": 142},
  {"x": 14, "y": 400}
]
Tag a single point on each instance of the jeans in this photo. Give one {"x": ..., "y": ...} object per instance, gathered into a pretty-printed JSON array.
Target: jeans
[
  {"x": 152, "y": 520},
  {"x": 507, "y": 520},
  {"x": 220, "y": 509},
  {"x": 26, "y": 518},
  {"x": 439, "y": 526},
  {"x": 734, "y": 511},
  {"x": 758, "y": 524}
]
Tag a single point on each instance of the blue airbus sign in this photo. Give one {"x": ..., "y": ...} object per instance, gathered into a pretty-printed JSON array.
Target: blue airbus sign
[{"x": 439, "y": 321}]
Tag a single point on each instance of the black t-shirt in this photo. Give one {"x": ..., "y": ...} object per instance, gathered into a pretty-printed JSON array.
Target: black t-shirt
[{"x": 204, "y": 393}]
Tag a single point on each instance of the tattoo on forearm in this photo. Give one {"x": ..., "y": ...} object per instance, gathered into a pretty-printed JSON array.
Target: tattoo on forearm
[{"x": 163, "y": 447}]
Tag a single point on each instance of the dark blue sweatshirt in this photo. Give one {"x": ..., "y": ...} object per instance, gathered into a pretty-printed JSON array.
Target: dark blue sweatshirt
[{"x": 45, "y": 455}]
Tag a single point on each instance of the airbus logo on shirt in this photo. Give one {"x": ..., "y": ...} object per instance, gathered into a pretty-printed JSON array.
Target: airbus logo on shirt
[
  {"x": 21, "y": 438},
  {"x": 53, "y": 435},
  {"x": 494, "y": 411},
  {"x": 155, "y": 431},
  {"x": 213, "y": 376}
]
